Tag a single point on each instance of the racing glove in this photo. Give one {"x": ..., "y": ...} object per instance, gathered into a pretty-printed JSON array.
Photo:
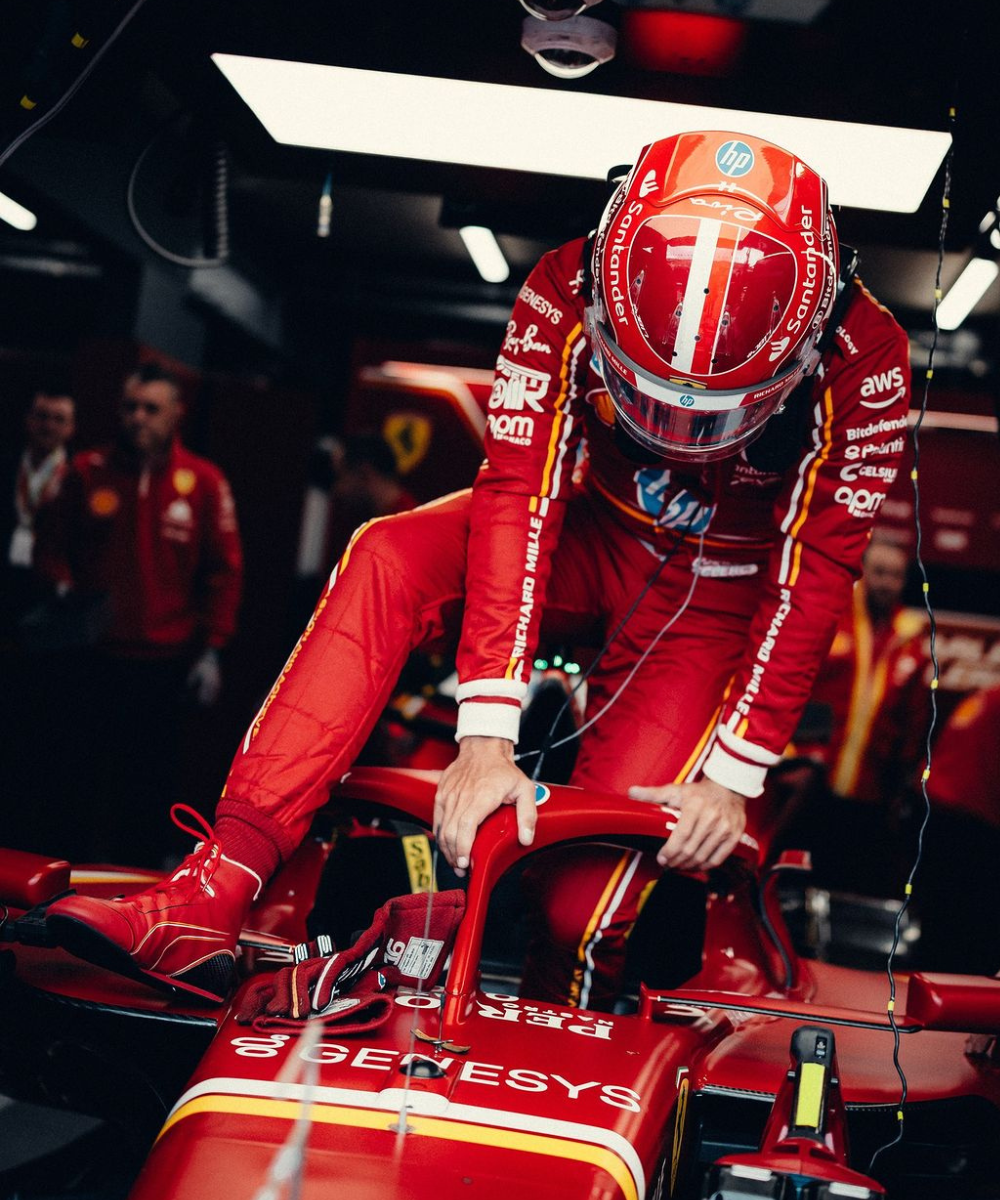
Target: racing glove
[{"x": 400, "y": 947}]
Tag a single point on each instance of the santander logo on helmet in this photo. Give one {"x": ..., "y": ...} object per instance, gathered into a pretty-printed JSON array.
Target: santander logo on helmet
[{"x": 715, "y": 266}]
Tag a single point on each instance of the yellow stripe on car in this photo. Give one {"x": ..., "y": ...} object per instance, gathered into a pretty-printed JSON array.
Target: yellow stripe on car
[{"x": 419, "y": 1126}]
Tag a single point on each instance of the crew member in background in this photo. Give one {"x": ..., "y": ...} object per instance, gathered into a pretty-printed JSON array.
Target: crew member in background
[
  {"x": 31, "y": 476},
  {"x": 868, "y": 715},
  {"x": 352, "y": 481},
  {"x": 147, "y": 531},
  {"x": 957, "y": 887},
  {"x": 366, "y": 484},
  {"x": 725, "y": 377}
]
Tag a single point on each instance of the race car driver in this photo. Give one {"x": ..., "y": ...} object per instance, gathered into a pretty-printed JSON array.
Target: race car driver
[{"x": 694, "y": 419}]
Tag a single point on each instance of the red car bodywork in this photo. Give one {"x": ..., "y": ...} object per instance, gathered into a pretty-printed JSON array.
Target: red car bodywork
[{"x": 500, "y": 1095}]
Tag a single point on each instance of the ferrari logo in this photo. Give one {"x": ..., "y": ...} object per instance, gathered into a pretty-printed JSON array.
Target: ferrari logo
[
  {"x": 409, "y": 435},
  {"x": 184, "y": 480}
]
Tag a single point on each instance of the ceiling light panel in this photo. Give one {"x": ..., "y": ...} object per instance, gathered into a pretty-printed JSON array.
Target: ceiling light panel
[
  {"x": 966, "y": 292},
  {"x": 497, "y": 125},
  {"x": 485, "y": 252},
  {"x": 16, "y": 214}
]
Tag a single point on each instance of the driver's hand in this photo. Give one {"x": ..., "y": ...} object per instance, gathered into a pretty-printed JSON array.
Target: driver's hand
[
  {"x": 481, "y": 778},
  {"x": 712, "y": 818}
]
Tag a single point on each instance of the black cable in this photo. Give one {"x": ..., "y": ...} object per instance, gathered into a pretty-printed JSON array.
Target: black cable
[
  {"x": 219, "y": 208},
  {"x": 933, "y": 687},
  {"x": 776, "y": 940},
  {"x": 71, "y": 91}
]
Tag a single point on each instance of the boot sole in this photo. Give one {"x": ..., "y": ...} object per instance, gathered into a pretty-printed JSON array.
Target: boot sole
[{"x": 86, "y": 943}]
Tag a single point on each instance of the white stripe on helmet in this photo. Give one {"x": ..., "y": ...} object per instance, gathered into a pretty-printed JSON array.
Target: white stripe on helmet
[{"x": 693, "y": 304}]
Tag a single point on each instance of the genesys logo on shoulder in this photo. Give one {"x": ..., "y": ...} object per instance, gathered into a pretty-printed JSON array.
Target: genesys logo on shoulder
[{"x": 734, "y": 159}]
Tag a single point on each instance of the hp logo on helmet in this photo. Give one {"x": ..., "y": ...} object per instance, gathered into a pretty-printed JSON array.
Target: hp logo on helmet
[
  {"x": 686, "y": 401},
  {"x": 734, "y": 159}
]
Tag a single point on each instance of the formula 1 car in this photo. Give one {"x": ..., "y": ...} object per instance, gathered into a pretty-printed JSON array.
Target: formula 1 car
[{"x": 755, "y": 1074}]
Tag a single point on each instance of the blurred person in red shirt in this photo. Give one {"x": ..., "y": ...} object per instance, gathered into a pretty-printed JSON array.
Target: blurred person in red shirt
[
  {"x": 352, "y": 481},
  {"x": 366, "y": 484},
  {"x": 142, "y": 548}
]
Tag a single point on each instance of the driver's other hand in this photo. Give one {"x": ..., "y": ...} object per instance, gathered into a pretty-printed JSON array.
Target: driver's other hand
[
  {"x": 477, "y": 783},
  {"x": 712, "y": 818}
]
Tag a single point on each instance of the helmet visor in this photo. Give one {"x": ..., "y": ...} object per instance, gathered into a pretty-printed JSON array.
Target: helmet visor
[{"x": 680, "y": 421}]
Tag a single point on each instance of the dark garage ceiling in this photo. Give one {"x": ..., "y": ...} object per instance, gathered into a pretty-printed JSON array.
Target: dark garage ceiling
[{"x": 883, "y": 63}]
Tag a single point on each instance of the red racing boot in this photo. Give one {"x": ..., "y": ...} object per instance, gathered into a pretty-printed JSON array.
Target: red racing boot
[{"x": 179, "y": 935}]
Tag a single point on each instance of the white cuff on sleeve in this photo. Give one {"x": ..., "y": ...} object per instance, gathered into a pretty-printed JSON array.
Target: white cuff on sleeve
[
  {"x": 733, "y": 773},
  {"x": 741, "y": 748},
  {"x": 488, "y": 720},
  {"x": 508, "y": 689}
]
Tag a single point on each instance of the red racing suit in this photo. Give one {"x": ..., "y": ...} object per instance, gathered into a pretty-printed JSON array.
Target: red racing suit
[
  {"x": 708, "y": 667},
  {"x": 162, "y": 543}
]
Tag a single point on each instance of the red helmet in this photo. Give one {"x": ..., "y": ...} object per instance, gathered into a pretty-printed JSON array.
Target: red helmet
[{"x": 715, "y": 270}]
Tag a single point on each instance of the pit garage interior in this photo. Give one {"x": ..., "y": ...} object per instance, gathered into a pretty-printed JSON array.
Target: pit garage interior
[{"x": 303, "y": 272}]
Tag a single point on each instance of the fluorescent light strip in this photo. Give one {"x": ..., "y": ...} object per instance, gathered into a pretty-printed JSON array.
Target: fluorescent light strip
[
  {"x": 16, "y": 214},
  {"x": 497, "y": 125},
  {"x": 966, "y": 292},
  {"x": 485, "y": 252}
]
